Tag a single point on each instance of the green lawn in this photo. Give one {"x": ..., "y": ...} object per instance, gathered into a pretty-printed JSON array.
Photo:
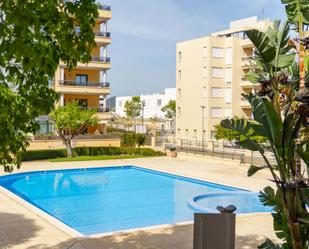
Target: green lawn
[{"x": 92, "y": 158}]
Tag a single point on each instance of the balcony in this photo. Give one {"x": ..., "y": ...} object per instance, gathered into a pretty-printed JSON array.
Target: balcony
[
  {"x": 246, "y": 43},
  {"x": 103, "y": 34},
  {"x": 101, "y": 59},
  {"x": 105, "y": 11},
  {"x": 104, "y": 7},
  {"x": 74, "y": 87},
  {"x": 244, "y": 103},
  {"x": 103, "y": 37},
  {"x": 102, "y": 113},
  {"x": 97, "y": 62},
  {"x": 246, "y": 83}
]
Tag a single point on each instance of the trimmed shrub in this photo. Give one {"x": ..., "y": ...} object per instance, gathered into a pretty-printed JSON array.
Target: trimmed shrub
[
  {"x": 88, "y": 151},
  {"x": 131, "y": 139},
  {"x": 32, "y": 155}
]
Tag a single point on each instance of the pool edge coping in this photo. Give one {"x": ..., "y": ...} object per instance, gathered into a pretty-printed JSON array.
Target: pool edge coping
[{"x": 79, "y": 236}]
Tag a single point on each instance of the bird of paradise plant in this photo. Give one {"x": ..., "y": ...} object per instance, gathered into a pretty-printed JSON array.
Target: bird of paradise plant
[{"x": 280, "y": 110}]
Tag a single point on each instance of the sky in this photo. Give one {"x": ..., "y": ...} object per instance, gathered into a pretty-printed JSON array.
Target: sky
[{"x": 145, "y": 32}]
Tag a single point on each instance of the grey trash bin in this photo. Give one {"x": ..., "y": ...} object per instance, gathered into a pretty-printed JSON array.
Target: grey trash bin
[{"x": 214, "y": 231}]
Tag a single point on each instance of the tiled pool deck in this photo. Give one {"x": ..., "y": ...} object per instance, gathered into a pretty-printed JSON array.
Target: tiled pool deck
[{"x": 21, "y": 227}]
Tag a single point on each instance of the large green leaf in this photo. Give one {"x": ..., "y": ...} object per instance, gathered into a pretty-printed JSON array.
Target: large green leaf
[
  {"x": 263, "y": 45},
  {"x": 244, "y": 127},
  {"x": 296, "y": 9},
  {"x": 254, "y": 169},
  {"x": 253, "y": 77},
  {"x": 265, "y": 114},
  {"x": 269, "y": 244},
  {"x": 285, "y": 60},
  {"x": 268, "y": 197}
]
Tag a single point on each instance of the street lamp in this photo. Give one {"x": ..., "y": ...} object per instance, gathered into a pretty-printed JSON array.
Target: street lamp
[
  {"x": 143, "y": 106},
  {"x": 203, "y": 117}
]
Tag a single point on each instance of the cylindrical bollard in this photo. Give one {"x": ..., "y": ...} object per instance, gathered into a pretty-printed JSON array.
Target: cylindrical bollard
[{"x": 215, "y": 231}]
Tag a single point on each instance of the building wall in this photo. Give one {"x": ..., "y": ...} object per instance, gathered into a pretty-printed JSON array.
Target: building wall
[
  {"x": 96, "y": 88},
  {"x": 210, "y": 80},
  {"x": 93, "y": 100},
  {"x": 58, "y": 144},
  {"x": 152, "y": 103}
]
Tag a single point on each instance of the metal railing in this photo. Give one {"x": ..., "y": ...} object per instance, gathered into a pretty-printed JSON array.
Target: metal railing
[
  {"x": 88, "y": 84},
  {"x": 103, "y": 34},
  {"x": 101, "y": 59},
  {"x": 219, "y": 150},
  {"x": 98, "y": 109},
  {"x": 104, "y": 7}
]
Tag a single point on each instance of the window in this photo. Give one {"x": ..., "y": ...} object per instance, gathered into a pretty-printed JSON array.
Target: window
[
  {"x": 228, "y": 56},
  {"x": 159, "y": 102},
  {"x": 228, "y": 75},
  {"x": 228, "y": 95},
  {"x": 217, "y": 72},
  {"x": 217, "y": 52},
  {"x": 213, "y": 134},
  {"x": 216, "y": 92},
  {"x": 179, "y": 56},
  {"x": 179, "y": 111},
  {"x": 120, "y": 103},
  {"x": 179, "y": 93},
  {"x": 228, "y": 112},
  {"x": 205, "y": 52},
  {"x": 204, "y": 92},
  {"x": 81, "y": 79},
  {"x": 83, "y": 103},
  {"x": 179, "y": 74},
  {"x": 204, "y": 72},
  {"x": 216, "y": 112},
  {"x": 195, "y": 133}
]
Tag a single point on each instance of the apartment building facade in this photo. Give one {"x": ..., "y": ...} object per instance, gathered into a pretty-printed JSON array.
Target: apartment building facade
[
  {"x": 152, "y": 103},
  {"x": 210, "y": 78},
  {"x": 88, "y": 83}
]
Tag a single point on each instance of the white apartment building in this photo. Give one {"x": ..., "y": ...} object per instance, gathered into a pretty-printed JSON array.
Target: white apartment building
[
  {"x": 153, "y": 103},
  {"x": 210, "y": 79}
]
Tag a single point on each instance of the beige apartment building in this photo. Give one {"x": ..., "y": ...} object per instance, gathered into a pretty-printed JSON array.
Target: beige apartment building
[
  {"x": 210, "y": 79},
  {"x": 88, "y": 83}
]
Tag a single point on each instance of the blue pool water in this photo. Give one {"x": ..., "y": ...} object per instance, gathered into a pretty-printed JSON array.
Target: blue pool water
[{"x": 102, "y": 200}]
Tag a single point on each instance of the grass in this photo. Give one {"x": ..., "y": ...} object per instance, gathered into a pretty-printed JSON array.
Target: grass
[{"x": 93, "y": 158}]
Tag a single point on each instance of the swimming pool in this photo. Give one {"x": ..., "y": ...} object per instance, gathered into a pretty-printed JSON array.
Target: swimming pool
[{"x": 100, "y": 200}]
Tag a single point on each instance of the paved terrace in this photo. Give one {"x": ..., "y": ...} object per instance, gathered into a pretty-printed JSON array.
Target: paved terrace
[{"x": 23, "y": 228}]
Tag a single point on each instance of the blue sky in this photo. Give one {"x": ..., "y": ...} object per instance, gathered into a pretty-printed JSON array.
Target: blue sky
[{"x": 145, "y": 33}]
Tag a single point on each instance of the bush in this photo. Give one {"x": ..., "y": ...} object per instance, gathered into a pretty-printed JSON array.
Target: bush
[
  {"x": 88, "y": 151},
  {"x": 131, "y": 139},
  {"x": 32, "y": 155}
]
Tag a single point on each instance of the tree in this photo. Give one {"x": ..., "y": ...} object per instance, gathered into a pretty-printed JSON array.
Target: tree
[
  {"x": 170, "y": 112},
  {"x": 280, "y": 115},
  {"x": 170, "y": 109},
  {"x": 133, "y": 107},
  {"x": 35, "y": 36},
  {"x": 71, "y": 121}
]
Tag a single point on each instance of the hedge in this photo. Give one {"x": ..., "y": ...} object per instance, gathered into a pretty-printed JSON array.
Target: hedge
[{"x": 88, "y": 151}]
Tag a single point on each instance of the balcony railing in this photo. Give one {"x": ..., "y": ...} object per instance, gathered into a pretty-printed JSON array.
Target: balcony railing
[
  {"x": 98, "y": 109},
  {"x": 103, "y": 34},
  {"x": 101, "y": 59},
  {"x": 247, "y": 57},
  {"x": 104, "y": 7},
  {"x": 87, "y": 84}
]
